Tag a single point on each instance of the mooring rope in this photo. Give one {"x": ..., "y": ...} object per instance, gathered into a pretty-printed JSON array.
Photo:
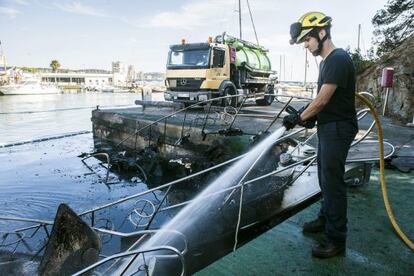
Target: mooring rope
[{"x": 45, "y": 139}]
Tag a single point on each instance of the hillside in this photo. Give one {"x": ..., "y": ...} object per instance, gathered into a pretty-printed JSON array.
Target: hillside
[{"x": 401, "y": 96}]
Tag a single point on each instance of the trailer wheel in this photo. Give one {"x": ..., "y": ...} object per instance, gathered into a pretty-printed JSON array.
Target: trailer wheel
[
  {"x": 268, "y": 99},
  {"x": 228, "y": 91}
]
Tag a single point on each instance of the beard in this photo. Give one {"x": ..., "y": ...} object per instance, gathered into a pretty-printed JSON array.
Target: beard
[{"x": 315, "y": 53}]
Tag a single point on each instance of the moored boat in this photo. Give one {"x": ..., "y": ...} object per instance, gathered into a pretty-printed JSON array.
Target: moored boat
[{"x": 29, "y": 87}]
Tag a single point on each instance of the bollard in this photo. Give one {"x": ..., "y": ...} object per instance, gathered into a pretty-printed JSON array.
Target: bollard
[
  {"x": 386, "y": 82},
  {"x": 146, "y": 94}
]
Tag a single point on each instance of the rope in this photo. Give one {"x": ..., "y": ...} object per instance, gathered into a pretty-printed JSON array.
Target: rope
[{"x": 45, "y": 139}]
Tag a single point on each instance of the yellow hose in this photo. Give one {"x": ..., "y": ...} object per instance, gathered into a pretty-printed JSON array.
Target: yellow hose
[{"x": 387, "y": 204}]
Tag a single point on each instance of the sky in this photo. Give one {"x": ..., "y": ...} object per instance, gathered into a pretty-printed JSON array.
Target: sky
[{"x": 92, "y": 34}]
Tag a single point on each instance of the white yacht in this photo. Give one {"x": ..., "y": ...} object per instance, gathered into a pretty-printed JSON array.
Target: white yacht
[{"x": 29, "y": 87}]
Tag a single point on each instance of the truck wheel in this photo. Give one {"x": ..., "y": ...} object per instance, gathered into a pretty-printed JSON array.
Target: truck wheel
[
  {"x": 228, "y": 91},
  {"x": 268, "y": 99}
]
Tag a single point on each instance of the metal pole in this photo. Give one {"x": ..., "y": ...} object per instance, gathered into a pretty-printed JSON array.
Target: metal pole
[
  {"x": 385, "y": 101},
  {"x": 4, "y": 61},
  {"x": 359, "y": 35},
  {"x": 280, "y": 68},
  {"x": 2, "y": 57},
  {"x": 240, "y": 26},
  {"x": 306, "y": 66}
]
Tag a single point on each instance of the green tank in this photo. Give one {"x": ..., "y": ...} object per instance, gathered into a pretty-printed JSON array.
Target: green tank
[{"x": 249, "y": 55}]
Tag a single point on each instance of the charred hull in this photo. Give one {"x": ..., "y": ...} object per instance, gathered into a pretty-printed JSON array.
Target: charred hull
[{"x": 212, "y": 235}]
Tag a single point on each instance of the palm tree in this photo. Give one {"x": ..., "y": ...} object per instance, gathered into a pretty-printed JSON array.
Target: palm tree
[{"x": 55, "y": 65}]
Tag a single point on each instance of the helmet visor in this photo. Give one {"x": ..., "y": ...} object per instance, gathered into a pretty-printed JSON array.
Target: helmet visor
[{"x": 295, "y": 30}]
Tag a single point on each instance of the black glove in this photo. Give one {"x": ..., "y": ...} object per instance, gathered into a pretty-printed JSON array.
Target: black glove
[
  {"x": 310, "y": 123},
  {"x": 291, "y": 120}
]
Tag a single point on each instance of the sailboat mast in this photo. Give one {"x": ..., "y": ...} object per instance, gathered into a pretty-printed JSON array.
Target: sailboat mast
[
  {"x": 240, "y": 26},
  {"x": 3, "y": 57}
]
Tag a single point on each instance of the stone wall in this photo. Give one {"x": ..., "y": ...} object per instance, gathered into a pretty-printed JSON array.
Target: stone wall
[{"x": 401, "y": 96}]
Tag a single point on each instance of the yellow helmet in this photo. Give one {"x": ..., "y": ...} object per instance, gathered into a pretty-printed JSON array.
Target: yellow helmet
[{"x": 306, "y": 24}]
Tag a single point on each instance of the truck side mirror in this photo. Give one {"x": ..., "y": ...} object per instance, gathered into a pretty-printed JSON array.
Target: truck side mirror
[{"x": 218, "y": 58}]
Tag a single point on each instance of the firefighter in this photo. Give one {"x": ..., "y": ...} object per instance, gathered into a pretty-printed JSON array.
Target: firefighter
[{"x": 334, "y": 110}]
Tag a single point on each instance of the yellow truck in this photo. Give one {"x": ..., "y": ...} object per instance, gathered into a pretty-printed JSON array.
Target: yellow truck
[{"x": 220, "y": 67}]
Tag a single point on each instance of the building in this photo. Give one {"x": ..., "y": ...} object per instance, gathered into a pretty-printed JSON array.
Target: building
[
  {"x": 119, "y": 74},
  {"x": 78, "y": 79},
  {"x": 118, "y": 67},
  {"x": 131, "y": 75}
]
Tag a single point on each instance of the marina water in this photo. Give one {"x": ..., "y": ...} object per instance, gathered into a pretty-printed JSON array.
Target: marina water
[{"x": 36, "y": 177}]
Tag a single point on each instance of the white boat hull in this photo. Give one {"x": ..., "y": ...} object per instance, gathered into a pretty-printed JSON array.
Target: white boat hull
[{"x": 20, "y": 89}]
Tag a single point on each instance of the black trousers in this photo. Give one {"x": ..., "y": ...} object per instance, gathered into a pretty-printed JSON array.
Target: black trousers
[{"x": 335, "y": 139}]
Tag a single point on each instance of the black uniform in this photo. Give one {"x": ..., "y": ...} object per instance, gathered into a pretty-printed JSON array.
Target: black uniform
[{"x": 337, "y": 127}]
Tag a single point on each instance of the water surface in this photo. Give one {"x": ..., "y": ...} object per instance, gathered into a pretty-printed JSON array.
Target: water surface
[
  {"x": 36, "y": 177},
  {"x": 26, "y": 117}
]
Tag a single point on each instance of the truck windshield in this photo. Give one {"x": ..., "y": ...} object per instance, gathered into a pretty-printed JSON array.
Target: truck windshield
[{"x": 189, "y": 59}]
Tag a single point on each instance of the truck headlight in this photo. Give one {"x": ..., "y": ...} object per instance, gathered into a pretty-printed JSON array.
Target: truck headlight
[
  {"x": 172, "y": 83},
  {"x": 202, "y": 98},
  {"x": 167, "y": 96}
]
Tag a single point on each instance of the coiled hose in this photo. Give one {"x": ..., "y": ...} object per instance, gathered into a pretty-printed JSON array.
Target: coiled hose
[{"x": 387, "y": 204}]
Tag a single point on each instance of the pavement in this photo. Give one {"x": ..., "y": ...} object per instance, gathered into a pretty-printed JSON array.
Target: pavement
[{"x": 373, "y": 248}]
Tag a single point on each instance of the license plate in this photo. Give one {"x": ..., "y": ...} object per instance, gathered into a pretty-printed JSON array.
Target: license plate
[{"x": 184, "y": 95}]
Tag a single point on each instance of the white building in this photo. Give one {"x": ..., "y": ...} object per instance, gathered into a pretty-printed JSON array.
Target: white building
[
  {"x": 119, "y": 74},
  {"x": 118, "y": 77},
  {"x": 81, "y": 79}
]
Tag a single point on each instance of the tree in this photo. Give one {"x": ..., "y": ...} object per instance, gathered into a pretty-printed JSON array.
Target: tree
[
  {"x": 361, "y": 62},
  {"x": 55, "y": 65},
  {"x": 393, "y": 25}
]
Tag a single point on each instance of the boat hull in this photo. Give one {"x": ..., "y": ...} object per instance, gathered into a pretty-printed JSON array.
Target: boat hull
[
  {"x": 266, "y": 203},
  {"x": 31, "y": 90}
]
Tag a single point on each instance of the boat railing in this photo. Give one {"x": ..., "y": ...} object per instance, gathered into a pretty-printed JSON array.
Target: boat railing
[{"x": 135, "y": 254}]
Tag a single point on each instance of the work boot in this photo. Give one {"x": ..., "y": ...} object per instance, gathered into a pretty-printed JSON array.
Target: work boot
[
  {"x": 328, "y": 249},
  {"x": 314, "y": 226}
]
